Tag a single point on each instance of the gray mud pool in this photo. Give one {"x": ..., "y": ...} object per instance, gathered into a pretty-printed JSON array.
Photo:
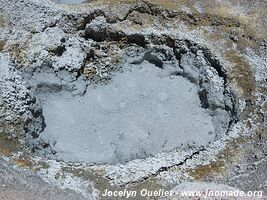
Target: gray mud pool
[{"x": 140, "y": 113}]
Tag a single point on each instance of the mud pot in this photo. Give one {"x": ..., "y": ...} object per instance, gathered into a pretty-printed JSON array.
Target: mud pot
[{"x": 133, "y": 95}]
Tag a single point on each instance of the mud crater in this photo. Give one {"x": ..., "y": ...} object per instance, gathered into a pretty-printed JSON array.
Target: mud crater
[{"x": 160, "y": 95}]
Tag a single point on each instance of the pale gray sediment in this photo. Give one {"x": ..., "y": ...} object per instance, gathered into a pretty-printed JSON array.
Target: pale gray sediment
[
  {"x": 138, "y": 114},
  {"x": 157, "y": 98},
  {"x": 145, "y": 109}
]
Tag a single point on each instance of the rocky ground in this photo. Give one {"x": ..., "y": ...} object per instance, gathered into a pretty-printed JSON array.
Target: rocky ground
[{"x": 56, "y": 58}]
